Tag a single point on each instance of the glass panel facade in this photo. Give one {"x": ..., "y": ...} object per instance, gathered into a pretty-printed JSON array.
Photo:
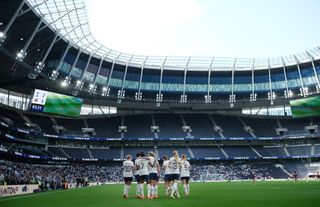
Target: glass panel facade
[
  {"x": 172, "y": 87},
  {"x": 133, "y": 76},
  {"x": 221, "y": 88},
  {"x": 278, "y": 85},
  {"x": 219, "y": 82},
  {"x": 131, "y": 84},
  {"x": 97, "y": 110},
  {"x": 268, "y": 111},
  {"x": 196, "y": 88},
  {"x": 150, "y": 86},
  {"x": 261, "y": 86},
  {"x": 101, "y": 80},
  {"x": 76, "y": 72},
  {"x": 65, "y": 67},
  {"x": 87, "y": 76},
  {"x": 242, "y": 87},
  {"x": 115, "y": 82},
  {"x": 13, "y": 99}
]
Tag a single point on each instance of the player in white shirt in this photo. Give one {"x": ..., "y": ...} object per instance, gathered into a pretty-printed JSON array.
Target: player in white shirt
[
  {"x": 127, "y": 175},
  {"x": 154, "y": 170},
  {"x": 185, "y": 174},
  {"x": 143, "y": 163},
  {"x": 165, "y": 167},
  {"x": 136, "y": 173},
  {"x": 174, "y": 167}
]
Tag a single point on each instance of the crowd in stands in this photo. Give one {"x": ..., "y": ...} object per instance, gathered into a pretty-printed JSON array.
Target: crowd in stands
[
  {"x": 222, "y": 171},
  {"x": 54, "y": 176}
]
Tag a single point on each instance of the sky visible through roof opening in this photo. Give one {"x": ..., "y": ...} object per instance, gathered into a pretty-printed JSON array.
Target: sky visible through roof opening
[{"x": 225, "y": 28}]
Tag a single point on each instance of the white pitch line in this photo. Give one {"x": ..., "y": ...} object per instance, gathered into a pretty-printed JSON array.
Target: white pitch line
[
  {"x": 41, "y": 193},
  {"x": 24, "y": 196}
]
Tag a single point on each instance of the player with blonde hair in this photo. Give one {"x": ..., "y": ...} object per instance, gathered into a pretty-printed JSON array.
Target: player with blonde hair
[{"x": 174, "y": 166}]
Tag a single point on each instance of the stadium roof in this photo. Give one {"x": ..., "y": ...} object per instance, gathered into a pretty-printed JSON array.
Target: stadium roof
[{"x": 69, "y": 18}]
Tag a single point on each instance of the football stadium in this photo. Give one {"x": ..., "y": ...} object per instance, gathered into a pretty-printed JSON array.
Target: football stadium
[{"x": 83, "y": 125}]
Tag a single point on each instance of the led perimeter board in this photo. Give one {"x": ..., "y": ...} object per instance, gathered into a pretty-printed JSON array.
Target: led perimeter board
[
  {"x": 305, "y": 107},
  {"x": 55, "y": 103}
]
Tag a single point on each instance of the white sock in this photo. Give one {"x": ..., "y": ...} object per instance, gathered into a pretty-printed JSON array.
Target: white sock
[
  {"x": 137, "y": 189},
  {"x": 174, "y": 188},
  {"x": 177, "y": 190},
  {"x": 128, "y": 188},
  {"x": 156, "y": 190},
  {"x": 141, "y": 189},
  {"x": 148, "y": 189},
  {"x": 188, "y": 188},
  {"x": 185, "y": 188},
  {"x": 125, "y": 190},
  {"x": 152, "y": 190}
]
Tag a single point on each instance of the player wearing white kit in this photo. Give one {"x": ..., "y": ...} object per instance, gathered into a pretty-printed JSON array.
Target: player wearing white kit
[
  {"x": 143, "y": 163},
  {"x": 174, "y": 166},
  {"x": 153, "y": 175},
  {"x": 136, "y": 173},
  {"x": 165, "y": 167},
  {"x": 185, "y": 174},
  {"x": 127, "y": 175}
]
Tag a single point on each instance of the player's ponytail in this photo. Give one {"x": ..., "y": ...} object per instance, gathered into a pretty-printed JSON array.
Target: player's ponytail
[{"x": 176, "y": 155}]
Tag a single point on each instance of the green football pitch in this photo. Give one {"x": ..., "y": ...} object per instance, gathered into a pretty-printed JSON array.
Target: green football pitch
[{"x": 269, "y": 194}]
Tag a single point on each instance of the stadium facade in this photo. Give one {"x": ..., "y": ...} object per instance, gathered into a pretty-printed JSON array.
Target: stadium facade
[{"x": 210, "y": 108}]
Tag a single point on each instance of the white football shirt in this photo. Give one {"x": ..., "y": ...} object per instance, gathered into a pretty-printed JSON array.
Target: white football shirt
[
  {"x": 166, "y": 167},
  {"x": 136, "y": 163},
  {"x": 154, "y": 163},
  {"x": 185, "y": 168},
  {"x": 127, "y": 169},
  {"x": 174, "y": 166},
  {"x": 143, "y": 163}
]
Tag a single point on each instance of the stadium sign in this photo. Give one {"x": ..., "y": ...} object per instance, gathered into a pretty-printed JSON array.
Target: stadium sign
[
  {"x": 3, "y": 149},
  {"x": 10, "y": 190},
  {"x": 212, "y": 158},
  {"x": 271, "y": 157},
  {"x": 4, "y": 124},
  {"x": 23, "y": 131},
  {"x": 144, "y": 139},
  {"x": 297, "y": 137},
  {"x": 243, "y": 158},
  {"x": 9, "y": 136},
  {"x": 89, "y": 159},
  {"x": 51, "y": 135},
  {"x": 59, "y": 158},
  {"x": 237, "y": 138}
]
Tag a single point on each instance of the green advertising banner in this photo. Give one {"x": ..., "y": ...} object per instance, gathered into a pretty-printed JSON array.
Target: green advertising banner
[{"x": 305, "y": 107}]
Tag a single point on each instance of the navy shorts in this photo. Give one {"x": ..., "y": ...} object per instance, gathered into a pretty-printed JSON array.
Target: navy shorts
[
  {"x": 185, "y": 178},
  {"x": 128, "y": 179},
  {"x": 174, "y": 176},
  {"x": 137, "y": 177},
  {"x": 143, "y": 178},
  {"x": 153, "y": 176},
  {"x": 166, "y": 177}
]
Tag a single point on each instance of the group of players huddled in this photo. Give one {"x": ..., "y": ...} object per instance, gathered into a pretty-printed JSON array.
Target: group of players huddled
[{"x": 146, "y": 168}]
